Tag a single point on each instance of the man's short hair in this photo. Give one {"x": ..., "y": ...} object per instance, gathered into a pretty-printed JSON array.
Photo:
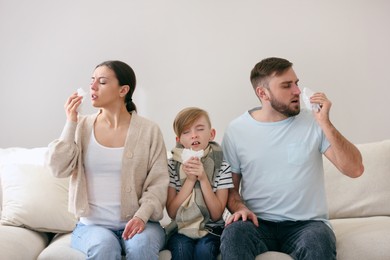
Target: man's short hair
[{"x": 266, "y": 68}]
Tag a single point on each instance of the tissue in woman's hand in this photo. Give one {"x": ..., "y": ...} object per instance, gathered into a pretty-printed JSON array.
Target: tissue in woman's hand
[
  {"x": 306, "y": 94},
  {"x": 188, "y": 153},
  {"x": 81, "y": 93}
]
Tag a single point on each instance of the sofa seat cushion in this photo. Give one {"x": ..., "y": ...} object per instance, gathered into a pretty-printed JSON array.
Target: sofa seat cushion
[
  {"x": 362, "y": 238},
  {"x": 21, "y": 243},
  {"x": 60, "y": 249}
]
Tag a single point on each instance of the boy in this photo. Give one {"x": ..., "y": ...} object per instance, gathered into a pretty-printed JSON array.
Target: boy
[{"x": 198, "y": 189}]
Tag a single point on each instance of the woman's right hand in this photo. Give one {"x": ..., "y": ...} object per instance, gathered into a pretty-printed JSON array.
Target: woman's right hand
[{"x": 71, "y": 106}]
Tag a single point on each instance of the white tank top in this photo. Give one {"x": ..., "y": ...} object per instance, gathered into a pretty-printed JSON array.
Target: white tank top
[{"x": 103, "y": 173}]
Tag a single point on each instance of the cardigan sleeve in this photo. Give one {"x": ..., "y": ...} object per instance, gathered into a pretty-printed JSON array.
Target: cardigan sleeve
[{"x": 63, "y": 152}]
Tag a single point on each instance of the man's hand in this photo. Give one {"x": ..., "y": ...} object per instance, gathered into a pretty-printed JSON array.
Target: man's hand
[{"x": 244, "y": 214}]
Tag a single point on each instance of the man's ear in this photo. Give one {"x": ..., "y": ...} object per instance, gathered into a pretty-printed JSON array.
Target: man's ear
[
  {"x": 124, "y": 90},
  {"x": 177, "y": 139},
  {"x": 212, "y": 134},
  {"x": 262, "y": 93}
]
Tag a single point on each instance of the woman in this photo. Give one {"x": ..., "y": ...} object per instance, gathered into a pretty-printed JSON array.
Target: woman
[{"x": 118, "y": 167}]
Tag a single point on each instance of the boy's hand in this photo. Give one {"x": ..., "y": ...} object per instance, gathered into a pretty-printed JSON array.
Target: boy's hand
[{"x": 194, "y": 167}]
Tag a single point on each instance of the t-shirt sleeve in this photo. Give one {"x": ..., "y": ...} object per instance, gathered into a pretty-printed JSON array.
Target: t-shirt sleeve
[
  {"x": 229, "y": 152},
  {"x": 224, "y": 178}
]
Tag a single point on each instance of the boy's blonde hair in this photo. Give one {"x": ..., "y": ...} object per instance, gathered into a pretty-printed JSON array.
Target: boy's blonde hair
[{"x": 186, "y": 117}]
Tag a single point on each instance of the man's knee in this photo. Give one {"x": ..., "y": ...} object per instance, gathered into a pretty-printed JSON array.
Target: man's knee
[
  {"x": 241, "y": 240},
  {"x": 316, "y": 241}
]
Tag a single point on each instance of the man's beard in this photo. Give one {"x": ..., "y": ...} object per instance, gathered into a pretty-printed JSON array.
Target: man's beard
[{"x": 283, "y": 108}]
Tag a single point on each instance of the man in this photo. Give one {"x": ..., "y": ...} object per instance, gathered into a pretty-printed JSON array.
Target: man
[{"x": 275, "y": 154}]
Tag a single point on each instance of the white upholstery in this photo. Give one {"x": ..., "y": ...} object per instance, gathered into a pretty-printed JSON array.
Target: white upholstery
[
  {"x": 33, "y": 198},
  {"x": 366, "y": 196},
  {"x": 358, "y": 208}
]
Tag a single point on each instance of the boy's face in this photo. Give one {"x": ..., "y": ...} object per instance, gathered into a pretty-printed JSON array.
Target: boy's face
[{"x": 197, "y": 137}]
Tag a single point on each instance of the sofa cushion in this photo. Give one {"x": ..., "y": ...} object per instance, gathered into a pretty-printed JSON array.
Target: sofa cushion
[
  {"x": 59, "y": 249},
  {"x": 366, "y": 196},
  {"x": 33, "y": 198},
  {"x": 14, "y": 155},
  {"x": 362, "y": 238},
  {"x": 21, "y": 243}
]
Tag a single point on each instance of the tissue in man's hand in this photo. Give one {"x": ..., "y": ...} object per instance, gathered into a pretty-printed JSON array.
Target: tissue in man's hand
[
  {"x": 188, "y": 153},
  {"x": 82, "y": 93},
  {"x": 307, "y": 93}
]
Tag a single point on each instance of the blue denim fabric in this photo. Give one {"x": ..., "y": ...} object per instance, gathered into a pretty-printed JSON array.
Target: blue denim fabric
[
  {"x": 101, "y": 243},
  {"x": 302, "y": 240},
  {"x": 185, "y": 248}
]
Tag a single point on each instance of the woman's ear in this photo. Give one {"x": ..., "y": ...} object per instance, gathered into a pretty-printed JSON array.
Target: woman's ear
[{"x": 124, "y": 90}]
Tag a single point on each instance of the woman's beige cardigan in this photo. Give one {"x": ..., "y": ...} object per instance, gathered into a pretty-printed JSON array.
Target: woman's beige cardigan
[{"x": 145, "y": 175}]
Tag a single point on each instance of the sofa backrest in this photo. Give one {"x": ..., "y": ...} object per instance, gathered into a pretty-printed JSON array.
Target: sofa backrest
[{"x": 368, "y": 195}]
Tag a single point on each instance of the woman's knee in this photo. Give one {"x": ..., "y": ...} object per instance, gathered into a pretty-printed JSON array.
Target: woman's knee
[
  {"x": 96, "y": 242},
  {"x": 147, "y": 244}
]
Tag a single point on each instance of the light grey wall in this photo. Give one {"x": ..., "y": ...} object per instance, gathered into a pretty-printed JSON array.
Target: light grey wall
[{"x": 191, "y": 53}]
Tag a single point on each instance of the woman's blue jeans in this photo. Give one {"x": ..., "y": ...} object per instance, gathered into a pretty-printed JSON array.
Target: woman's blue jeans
[
  {"x": 183, "y": 247},
  {"x": 300, "y": 239},
  {"x": 101, "y": 243}
]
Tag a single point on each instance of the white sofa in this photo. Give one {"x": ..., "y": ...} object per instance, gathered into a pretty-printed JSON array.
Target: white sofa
[{"x": 35, "y": 223}]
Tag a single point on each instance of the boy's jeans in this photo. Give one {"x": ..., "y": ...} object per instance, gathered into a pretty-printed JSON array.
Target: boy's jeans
[
  {"x": 102, "y": 243},
  {"x": 183, "y": 247},
  {"x": 299, "y": 239}
]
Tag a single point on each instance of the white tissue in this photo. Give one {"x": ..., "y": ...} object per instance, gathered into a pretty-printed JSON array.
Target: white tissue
[
  {"x": 81, "y": 93},
  {"x": 188, "y": 153},
  {"x": 306, "y": 94}
]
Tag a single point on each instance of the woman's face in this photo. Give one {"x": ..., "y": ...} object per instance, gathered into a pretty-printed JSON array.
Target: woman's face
[{"x": 105, "y": 89}]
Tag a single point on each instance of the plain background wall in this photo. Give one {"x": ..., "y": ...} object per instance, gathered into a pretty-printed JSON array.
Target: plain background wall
[{"x": 191, "y": 53}]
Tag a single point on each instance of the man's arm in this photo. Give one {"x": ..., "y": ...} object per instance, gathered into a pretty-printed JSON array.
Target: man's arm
[
  {"x": 236, "y": 206},
  {"x": 342, "y": 153}
]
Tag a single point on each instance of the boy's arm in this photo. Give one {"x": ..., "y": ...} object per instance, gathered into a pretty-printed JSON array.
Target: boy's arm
[
  {"x": 236, "y": 206},
  {"x": 215, "y": 202},
  {"x": 175, "y": 199}
]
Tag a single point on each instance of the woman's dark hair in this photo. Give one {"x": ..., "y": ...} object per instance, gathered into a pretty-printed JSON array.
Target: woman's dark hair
[{"x": 126, "y": 76}]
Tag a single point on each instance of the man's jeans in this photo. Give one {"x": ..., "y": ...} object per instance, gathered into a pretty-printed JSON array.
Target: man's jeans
[
  {"x": 102, "y": 243},
  {"x": 300, "y": 239}
]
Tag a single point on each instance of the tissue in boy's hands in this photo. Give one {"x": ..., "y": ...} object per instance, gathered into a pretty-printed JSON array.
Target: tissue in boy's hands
[
  {"x": 82, "y": 93},
  {"x": 188, "y": 153},
  {"x": 306, "y": 94}
]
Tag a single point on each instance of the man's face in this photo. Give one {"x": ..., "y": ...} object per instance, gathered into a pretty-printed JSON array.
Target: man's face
[{"x": 284, "y": 93}]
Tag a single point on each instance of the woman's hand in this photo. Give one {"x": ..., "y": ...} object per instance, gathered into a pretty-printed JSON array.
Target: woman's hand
[
  {"x": 134, "y": 226},
  {"x": 71, "y": 106}
]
